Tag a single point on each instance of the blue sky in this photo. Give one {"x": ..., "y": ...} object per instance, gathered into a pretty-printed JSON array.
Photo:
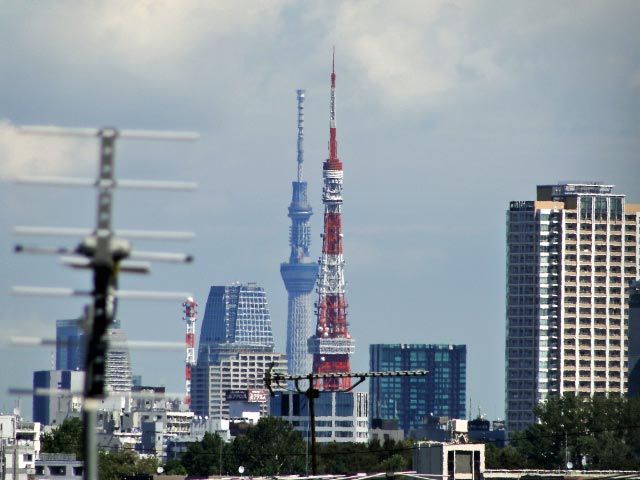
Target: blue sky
[{"x": 446, "y": 111}]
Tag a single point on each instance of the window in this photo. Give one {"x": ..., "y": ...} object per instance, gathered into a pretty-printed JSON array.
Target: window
[
  {"x": 585, "y": 208},
  {"x": 601, "y": 208},
  {"x": 615, "y": 208}
]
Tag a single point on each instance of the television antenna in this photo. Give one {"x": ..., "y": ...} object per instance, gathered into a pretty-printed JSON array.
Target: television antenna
[
  {"x": 311, "y": 392},
  {"x": 107, "y": 253}
]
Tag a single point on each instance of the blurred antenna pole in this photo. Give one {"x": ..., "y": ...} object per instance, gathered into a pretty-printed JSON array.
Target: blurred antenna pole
[{"x": 102, "y": 251}]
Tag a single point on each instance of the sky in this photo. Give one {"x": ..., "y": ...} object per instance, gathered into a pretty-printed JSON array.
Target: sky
[{"x": 446, "y": 111}]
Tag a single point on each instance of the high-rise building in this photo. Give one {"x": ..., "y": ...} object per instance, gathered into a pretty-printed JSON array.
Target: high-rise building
[
  {"x": 410, "y": 399},
  {"x": 331, "y": 344},
  {"x": 54, "y": 409},
  {"x": 69, "y": 345},
  {"x": 299, "y": 273},
  {"x": 571, "y": 255},
  {"x": 235, "y": 350},
  {"x": 237, "y": 315},
  {"x": 117, "y": 370},
  {"x": 232, "y": 370},
  {"x": 634, "y": 339}
]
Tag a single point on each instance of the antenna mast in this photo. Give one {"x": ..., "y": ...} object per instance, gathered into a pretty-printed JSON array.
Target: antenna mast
[{"x": 300, "y": 95}]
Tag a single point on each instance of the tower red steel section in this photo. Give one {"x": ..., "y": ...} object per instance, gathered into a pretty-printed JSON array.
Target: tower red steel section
[
  {"x": 332, "y": 344},
  {"x": 190, "y": 315}
]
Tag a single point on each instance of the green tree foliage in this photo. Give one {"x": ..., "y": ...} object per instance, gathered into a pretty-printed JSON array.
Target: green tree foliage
[
  {"x": 271, "y": 447},
  {"x": 599, "y": 433},
  {"x": 504, "y": 458},
  {"x": 203, "y": 458},
  {"x": 357, "y": 457},
  {"x": 174, "y": 467},
  {"x": 114, "y": 465},
  {"x": 67, "y": 438}
]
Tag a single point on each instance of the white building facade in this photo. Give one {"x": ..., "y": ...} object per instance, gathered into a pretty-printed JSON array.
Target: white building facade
[{"x": 571, "y": 255}]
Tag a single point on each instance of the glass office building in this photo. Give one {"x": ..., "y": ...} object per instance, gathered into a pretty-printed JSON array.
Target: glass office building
[
  {"x": 236, "y": 347},
  {"x": 69, "y": 345},
  {"x": 237, "y": 314},
  {"x": 409, "y": 399}
]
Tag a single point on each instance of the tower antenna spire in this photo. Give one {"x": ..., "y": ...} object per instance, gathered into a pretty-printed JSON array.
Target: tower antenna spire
[
  {"x": 333, "y": 61},
  {"x": 300, "y": 96},
  {"x": 333, "y": 142}
]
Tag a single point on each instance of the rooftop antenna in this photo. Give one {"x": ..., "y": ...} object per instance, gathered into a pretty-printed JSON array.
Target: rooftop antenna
[
  {"x": 106, "y": 254},
  {"x": 310, "y": 391}
]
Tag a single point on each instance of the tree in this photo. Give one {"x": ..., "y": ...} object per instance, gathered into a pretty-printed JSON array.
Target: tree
[
  {"x": 594, "y": 433},
  {"x": 115, "y": 465},
  {"x": 504, "y": 458},
  {"x": 174, "y": 467},
  {"x": 203, "y": 458},
  {"x": 271, "y": 447},
  {"x": 66, "y": 438}
]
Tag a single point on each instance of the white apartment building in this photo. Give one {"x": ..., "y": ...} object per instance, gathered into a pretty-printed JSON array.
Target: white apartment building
[{"x": 571, "y": 255}]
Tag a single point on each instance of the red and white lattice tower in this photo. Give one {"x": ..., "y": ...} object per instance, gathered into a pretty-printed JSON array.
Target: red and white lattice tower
[
  {"x": 189, "y": 317},
  {"x": 332, "y": 344}
]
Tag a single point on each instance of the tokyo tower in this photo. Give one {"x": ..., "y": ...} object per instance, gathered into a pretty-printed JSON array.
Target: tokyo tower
[{"x": 331, "y": 344}]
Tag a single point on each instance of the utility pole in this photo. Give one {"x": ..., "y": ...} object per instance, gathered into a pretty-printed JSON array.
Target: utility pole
[{"x": 312, "y": 393}]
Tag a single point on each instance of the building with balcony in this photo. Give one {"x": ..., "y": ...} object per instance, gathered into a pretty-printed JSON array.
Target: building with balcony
[
  {"x": 571, "y": 255},
  {"x": 634, "y": 339}
]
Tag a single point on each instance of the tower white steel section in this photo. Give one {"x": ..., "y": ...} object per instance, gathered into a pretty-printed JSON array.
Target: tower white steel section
[
  {"x": 190, "y": 315},
  {"x": 300, "y": 272},
  {"x": 572, "y": 253}
]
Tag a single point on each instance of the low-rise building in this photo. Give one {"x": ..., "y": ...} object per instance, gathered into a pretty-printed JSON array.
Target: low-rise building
[
  {"x": 61, "y": 466},
  {"x": 339, "y": 416},
  {"x": 19, "y": 447},
  {"x": 454, "y": 461}
]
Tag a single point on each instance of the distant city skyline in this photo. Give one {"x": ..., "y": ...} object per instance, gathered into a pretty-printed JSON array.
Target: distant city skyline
[{"x": 447, "y": 113}]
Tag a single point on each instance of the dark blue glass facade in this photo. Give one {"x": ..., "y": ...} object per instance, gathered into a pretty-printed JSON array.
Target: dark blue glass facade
[
  {"x": 69, "y": 345},
  {"x": 408, "y": 399}
]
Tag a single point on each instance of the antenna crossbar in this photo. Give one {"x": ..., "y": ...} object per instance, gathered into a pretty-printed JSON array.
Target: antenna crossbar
[
  {"x": 121, "y": 184},
  {"x": 101, "y": 132},
  {"x": 82, "y": 232}
]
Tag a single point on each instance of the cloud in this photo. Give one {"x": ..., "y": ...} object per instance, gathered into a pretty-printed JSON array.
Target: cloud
[
  {"x": 155, "y": 40},
  {"x": 22, "y": 154},
  {"x": 413, "y": 52}
]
